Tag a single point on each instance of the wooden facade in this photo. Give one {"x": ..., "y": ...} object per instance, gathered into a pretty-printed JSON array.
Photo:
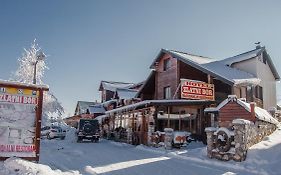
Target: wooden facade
[
  {"x": 166, "y": 78},
  {"x": 232, "y": 110},
  {"x": 136, "y": 123}
]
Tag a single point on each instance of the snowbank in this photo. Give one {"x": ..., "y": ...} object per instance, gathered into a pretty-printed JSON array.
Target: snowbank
[
  {"x": 16, "y": 166},
  {"x": 64, "y": 157}
]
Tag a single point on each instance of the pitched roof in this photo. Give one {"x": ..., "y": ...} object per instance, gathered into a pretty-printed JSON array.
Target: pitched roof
[
  {"x": 212, "y": 67},
  {"x": 242, "y": 57},
  {"x": 233, "y": 75},
  {"x": 222, "y": 69},
  {"x": 261, "y": 114},
  {"x": 125, "y": 93},
  {"x": 84, "y": 105},
  {"x": 96, "y": 109},
  {"x": 112, "y": 85},
  {"x": 251, "y": 54}
]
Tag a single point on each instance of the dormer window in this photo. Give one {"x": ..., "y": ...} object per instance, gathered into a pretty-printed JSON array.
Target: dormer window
[{"x": 167, "y": 64}]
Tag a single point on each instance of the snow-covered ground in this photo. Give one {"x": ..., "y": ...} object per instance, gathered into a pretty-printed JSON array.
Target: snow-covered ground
[{"x": 66, "y": 157}]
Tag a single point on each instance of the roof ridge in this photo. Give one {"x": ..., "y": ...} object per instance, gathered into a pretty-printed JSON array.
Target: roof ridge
[
  {"x": 116, "y": 82},
  {"x": 190, "y": 54},
  {"x": 244, "y": 53}
]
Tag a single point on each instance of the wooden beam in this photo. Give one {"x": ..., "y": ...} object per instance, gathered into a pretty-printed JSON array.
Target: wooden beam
[{"x": 38, "y": 123}]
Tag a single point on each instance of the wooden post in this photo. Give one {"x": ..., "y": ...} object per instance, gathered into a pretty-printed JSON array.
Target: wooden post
[
  {"x": 142, "y": 127},
  {"x": 179, "y": 121},
  {"x": 121, "y": 118},
  {"x": 169, "y": 125},
  {"x": 190, "y": 126},
  {"x": 38, "y": 123}
]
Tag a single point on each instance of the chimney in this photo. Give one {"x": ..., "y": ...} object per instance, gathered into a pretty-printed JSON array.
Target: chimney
[
  {"x": 253, "y": 113},
  {"x": 258, "y": 46}
]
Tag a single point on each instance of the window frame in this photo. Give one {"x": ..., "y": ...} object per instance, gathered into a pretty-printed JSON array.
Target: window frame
[
  {"x": 167, "y": 64},
  {"x": 167, "y": 92}
]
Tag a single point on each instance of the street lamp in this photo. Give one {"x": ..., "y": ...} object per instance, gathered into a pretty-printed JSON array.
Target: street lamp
[{"x": 39, "y": 57}]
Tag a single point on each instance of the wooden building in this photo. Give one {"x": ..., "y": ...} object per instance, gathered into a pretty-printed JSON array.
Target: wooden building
[
  {"x": 84, "y": 109},
  {"x": 167, "y": 100},
  {"x": 83, "y": 106},
  {"x": 109, "y": 88}
]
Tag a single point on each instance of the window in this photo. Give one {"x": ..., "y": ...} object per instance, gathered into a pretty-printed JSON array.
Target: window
[
  {"x": 258, "y": 92},
  {"x": 249, "y": 94},
  {"x": 167, "y": 92},
  {"x": 167, "y": 64}
]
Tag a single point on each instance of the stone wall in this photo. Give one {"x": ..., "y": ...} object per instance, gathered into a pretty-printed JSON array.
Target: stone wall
[{"x": 245, "y": 134}]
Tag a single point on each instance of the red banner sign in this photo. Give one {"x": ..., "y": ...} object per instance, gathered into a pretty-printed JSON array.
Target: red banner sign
[{"x": 192, "y": 89}]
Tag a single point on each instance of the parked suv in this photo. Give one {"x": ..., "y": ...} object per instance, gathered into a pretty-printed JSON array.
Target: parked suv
[
  {"x": 88, "y": 129},
  {"x": 53, "y": 132}
]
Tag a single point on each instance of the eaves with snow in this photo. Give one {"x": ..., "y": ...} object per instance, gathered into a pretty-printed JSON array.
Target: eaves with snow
[{"x": 26, "y": 85}]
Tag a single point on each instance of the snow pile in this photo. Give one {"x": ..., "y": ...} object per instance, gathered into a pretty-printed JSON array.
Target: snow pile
[
  {"x": 16, "y": 166},
  {"x": 267, "y": 154},
  {"x": 71, "y": 135},
  {"x": 242, "y": 121}
]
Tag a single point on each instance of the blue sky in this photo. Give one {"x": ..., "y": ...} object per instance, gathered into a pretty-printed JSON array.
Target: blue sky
[{"x": 90, "y": 41}]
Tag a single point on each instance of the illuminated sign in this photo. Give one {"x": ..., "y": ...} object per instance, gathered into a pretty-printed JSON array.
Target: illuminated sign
[{"x": 192, "y": 89}]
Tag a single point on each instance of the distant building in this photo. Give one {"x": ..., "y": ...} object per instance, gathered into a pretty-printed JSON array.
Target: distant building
[
  {"x": 82, "y": 110},
  {"x": 108, "y": 89},
  {"x": 82, "y": 107}
]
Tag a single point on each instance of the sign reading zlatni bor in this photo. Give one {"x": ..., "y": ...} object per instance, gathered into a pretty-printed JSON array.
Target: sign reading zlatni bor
[
  {"x": 19, "y": 120},
  {"x": 192, "y": 89}
]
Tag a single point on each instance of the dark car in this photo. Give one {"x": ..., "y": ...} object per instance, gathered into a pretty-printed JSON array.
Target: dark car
[{"x": 88, "y": 129}]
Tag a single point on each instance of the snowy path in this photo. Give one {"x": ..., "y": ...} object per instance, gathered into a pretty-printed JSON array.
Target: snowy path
[
  {"x": 115, "y": 158},
  {"x": 66, "y": 157}
]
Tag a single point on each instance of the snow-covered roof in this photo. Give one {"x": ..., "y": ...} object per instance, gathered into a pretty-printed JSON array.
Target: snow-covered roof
[
  {"x": 242, "y": 57},
  {"x": 96, "y": 109},
  {"x": 231, "y": 74},
  {"x": 84, "y": 105},
  {"x": 251, "y": 54},
  {"x": 109, "y": 102},
  {"x": 215, "y": 68},
  {"x": 15, "y": 83},
  {"x": 158, "y": 102},
  {"x": 126, "y": 93},
  {"x": 112, "y": 86},
  {"x": 195, "y": 58},
  {"x": 222, "y": 69},
  {"x": 261, "y": 114}
]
